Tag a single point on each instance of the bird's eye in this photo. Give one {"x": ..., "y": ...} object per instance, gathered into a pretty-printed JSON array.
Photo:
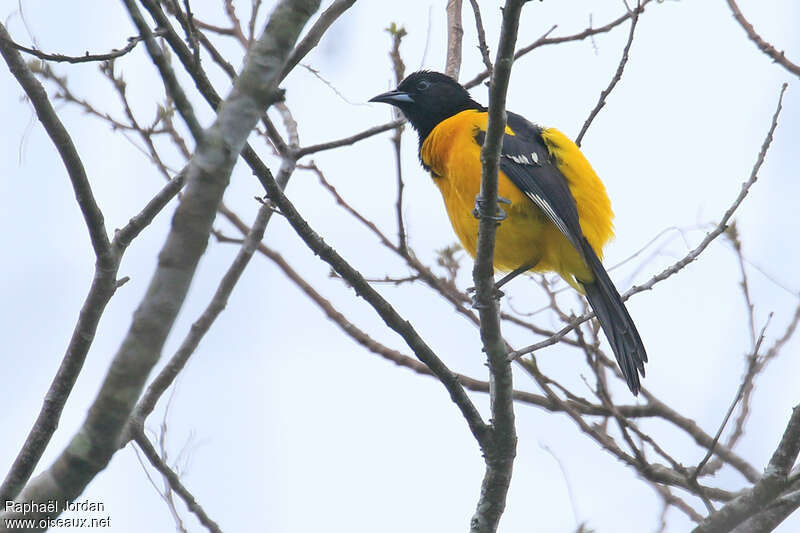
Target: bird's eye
[{"x": 423, "y": 85}]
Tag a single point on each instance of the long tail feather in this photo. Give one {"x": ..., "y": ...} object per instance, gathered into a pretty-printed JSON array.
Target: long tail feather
[{"x": 615, "y": 321}]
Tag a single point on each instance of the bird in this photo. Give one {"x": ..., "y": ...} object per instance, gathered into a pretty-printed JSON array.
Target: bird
[{"x": 554, "y": 213}]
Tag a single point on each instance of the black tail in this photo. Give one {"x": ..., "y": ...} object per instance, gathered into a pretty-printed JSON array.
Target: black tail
[{"x": 615, "y": 321}]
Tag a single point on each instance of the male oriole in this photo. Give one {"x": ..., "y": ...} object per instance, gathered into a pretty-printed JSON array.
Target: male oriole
[{"x": 557, "y": 215}]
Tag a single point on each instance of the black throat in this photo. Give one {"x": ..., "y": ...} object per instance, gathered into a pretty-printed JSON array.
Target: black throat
[{"x": 424, "y": 120}]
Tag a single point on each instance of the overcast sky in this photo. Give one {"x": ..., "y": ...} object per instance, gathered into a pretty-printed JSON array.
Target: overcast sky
[{"x": 285, "y": 423}]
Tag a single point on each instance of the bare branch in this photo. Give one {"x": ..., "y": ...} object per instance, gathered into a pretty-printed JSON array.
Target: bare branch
[
  {"x": 775, "y": 480},
  {"x": 786, "y": 454},
  {"x": 185, "y": 55},
  {"x": 592, "y": 417},
  {"x": 500, "y": 451},
  {"x": 290, "y": 124},
  {"x": 763, "y": 45},
  {"x": 316, "y": 73},
  {"x": 769, "y": 518},
  {"x": 654, "y": 472},
  {"x": 171, "y": 83},
  {"x": 102, "y": 289},
  {"x": 207, "y": 176},
  {"x": 189, "y": 27},
  {"x": 138, "y": 222},
  {"x": 455, "y": 33},
  {"x": 700, "y": 437},
  {"x": 399, "y": 73}
]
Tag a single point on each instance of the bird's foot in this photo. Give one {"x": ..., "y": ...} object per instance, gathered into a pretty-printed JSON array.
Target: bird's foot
[
  {"x": 496, "y": 295},
  {"x": 478, "y": 211}
]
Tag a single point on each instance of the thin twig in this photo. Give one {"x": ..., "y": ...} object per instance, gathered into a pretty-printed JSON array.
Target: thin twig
[
  {"x": 330, "y": 145},
  {"x": 617, "y": 76},
  {"x": 653, "y": 472},
  {"x": 230, "y": 11},
  {"x": 167, "y": 494},
  {"x": 171, "y": 84},
  {"x": 545, "y": 40},
  {"x": 692, "y": 429},
  {"x": 255, "y": 6},
  {"x": 290, "y": 124},
  {"x": 763, "y": 45},
  {"x": 202, "y": 82},
  {"x": 748, "y": 379},
  {"x": 482, "y": 46},
  {"x": 174, "y": 481},
  {"x": 680, "y": 504},
  {"x": 752, "y": 359},
  {"x": 722, "y": 225},
  {"x": 775, "y": 349},
  {"x": 215, "y": 29},
  {"x": 316, "y": 73},
  {"x": 399, "y": 68},
  {"x": 86, "y": 58},
  {"x": 733, "y": 235},
  {"x": 64, "y": 93}
]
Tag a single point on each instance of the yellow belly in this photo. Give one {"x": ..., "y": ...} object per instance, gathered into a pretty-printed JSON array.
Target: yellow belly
[{"x": 526, "y": 236}]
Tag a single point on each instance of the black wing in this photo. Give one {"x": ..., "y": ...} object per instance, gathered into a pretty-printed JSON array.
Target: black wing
[{"x": 524, "y": 158}]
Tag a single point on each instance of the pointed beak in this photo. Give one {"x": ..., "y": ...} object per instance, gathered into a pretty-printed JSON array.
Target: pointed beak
[{"x": 393, "y": 98}]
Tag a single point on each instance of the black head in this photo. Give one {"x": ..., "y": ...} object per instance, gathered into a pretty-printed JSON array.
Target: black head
[{"x": 426, "y": 98}]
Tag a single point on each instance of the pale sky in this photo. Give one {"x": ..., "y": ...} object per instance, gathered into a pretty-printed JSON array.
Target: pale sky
[{"x": 288, "y": 425}]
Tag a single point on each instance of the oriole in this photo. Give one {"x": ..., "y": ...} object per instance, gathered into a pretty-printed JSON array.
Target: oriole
[{"x": 557, "y": 215}]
